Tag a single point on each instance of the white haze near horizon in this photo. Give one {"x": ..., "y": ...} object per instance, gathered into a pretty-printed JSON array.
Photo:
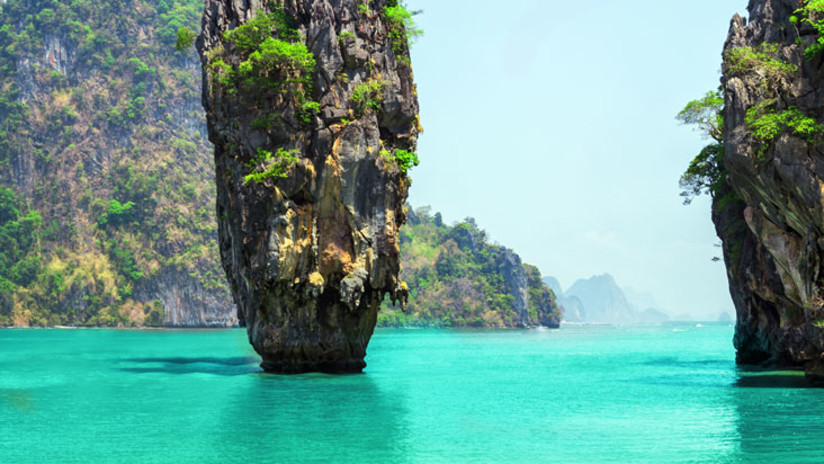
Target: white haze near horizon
[{"x": 552, "y": 123}]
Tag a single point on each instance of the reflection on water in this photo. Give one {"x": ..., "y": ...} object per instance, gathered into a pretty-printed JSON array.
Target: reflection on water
[
  {"x": 673, "y": 362},
  {"x": 748, "y": 378},
  {"x": 779, "y": 413},
  {"x": 20, "y": 400},
  {"x": 230, "y": 361},
  {"x": 589, "y": 395},
  {"x": 229, "y": 366},
  {"x": 313, "y": 418}
]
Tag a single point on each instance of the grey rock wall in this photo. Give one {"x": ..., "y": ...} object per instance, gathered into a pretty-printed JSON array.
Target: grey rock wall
[{"x": 770, "y": 215}]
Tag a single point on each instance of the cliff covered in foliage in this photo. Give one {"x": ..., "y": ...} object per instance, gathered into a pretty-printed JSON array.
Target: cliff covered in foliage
[
  {"x": 314, "y": 117},
  {"x": 768, "y": 191},
  {"x": 457, "y": 279},
  {"x": 106, "y": 186}
]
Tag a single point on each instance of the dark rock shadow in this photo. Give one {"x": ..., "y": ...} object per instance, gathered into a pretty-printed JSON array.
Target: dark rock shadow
[
  {"x": 774, "y": 381},
  {"x": 766, "y": 377}
]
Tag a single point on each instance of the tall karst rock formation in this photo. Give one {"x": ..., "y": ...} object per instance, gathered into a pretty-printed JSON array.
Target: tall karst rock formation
[
  {"x": 314, "y": 116},
  {"x": 770, "y": 211}
]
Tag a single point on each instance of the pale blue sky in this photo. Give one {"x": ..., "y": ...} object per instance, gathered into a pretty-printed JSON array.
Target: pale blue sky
[{"x": 552, "y": 123}]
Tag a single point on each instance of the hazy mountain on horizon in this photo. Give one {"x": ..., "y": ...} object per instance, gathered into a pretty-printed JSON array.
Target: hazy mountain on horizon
[
  {"x": 599, "y": 299},
  {"x": 645, "y": 306},
  {"x": 603, "y": 300},
  {"x": 554, "y": 285}
]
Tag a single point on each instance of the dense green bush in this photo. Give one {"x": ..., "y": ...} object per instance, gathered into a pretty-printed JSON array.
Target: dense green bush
[
  {"x": 273, "y": 55},
  {"x": 765, "y": 123},
  {"x": 117, "y": 214}
]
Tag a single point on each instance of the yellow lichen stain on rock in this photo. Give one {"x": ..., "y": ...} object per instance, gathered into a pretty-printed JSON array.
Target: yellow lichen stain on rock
[
  {"x": 334, "y": 233},
  {"x": 294, "y": 238},
  {"x": 391, "y": 229},
  {"x": 316, "y": 279},
  {"x": 821, "y": 189}
]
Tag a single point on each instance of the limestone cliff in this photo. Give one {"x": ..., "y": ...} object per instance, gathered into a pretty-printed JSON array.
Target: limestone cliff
[
  {"x": 106, "y": 178},
  {"x": 769, "y": 212},
  {"x": 313, "y": 114}
]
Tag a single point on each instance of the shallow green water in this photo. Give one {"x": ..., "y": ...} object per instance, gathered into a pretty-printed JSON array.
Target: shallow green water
[{"x": 582, "y": 395}]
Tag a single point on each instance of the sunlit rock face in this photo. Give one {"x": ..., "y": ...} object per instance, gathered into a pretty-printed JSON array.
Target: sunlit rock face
[
  {"x": 770, "y": 213},
  {"x": 310, "y": 256}
]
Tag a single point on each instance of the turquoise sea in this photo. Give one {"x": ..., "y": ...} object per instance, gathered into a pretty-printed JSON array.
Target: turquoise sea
[{"x": 668, "y": 394}]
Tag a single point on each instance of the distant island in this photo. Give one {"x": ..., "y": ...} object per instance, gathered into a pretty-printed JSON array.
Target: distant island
[
  {"x": 457, "y": 278},
  {"x": 599, "y": 299}
]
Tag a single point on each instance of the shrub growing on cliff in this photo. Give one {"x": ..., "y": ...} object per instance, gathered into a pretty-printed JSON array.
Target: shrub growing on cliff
[
  {"x": 705, "y": 172},
  {"x": 812, "y": 13},
  {"x": 367, "y": 95},
  {"x": 268, "y": 165},
  {"x": 404, "y": 159},
  {"x": 400, "y": 25},
  {"x": 293, "y": 60},
  {"x": 765, "y": 123},
  {"x": 273, "y": 57},
  {"x": 763, "y": 60}
]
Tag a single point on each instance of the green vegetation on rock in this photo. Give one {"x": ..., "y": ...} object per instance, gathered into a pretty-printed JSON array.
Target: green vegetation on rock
[
  {"x": 367, "y": 95},
  {"x": 400, "y": 25},
  {"x": 770, "y": 117},
  {"x": 765, "y": 123},
  {"x": 268, "y": 165},
  {"x": 403, "y": 159},
  {"x": 106, "y": 191},
  {"x": 811, "y": 12},
  {"x": 763, "y": 59},
  {"x": 266, "y": 53}
]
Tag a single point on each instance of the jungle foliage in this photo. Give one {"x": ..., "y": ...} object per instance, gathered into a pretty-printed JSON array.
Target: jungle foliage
[{"x": 106, "y": 187}]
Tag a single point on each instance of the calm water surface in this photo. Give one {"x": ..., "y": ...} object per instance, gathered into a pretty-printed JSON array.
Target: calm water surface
[{"x": 576, "y": 395}]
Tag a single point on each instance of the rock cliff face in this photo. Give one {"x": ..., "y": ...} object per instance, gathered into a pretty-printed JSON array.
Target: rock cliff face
[
  {"x": 770, "y": 213},
  {"x": 106, "y": 177},
  {"x": 311, "y": 250}
]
